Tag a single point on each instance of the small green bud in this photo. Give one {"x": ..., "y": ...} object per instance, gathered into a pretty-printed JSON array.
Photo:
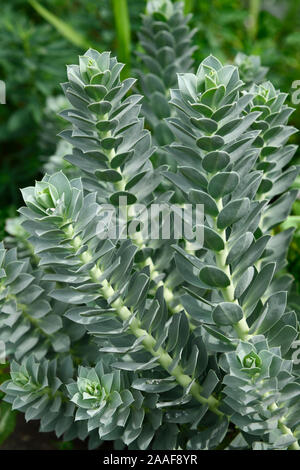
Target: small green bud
[
  {"x": 252, "y": 363},
  {"x": 44, "y": 199},
  {"x": 252, "y": 359},
  {"x": 43, "y": 195}
]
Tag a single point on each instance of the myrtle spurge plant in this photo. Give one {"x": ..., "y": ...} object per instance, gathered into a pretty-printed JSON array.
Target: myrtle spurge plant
[
  {"x": 159, "y": 344},
  {"x": 166, "y": 40}
]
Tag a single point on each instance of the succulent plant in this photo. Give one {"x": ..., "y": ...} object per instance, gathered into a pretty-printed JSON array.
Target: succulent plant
[{"x": 149, "y": 343}]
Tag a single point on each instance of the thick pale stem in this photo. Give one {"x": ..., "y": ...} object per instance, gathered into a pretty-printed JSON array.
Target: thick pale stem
[
  {"x": 284, "y": 429},
  {"x": 149, "y": 341},
  {"x": 140, "y": 243}
]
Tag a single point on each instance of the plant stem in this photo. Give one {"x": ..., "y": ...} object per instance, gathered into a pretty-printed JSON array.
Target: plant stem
[
  {"x": 188, "y": 6},
  {"x": 149, "y": 343},
  {"x": 253, "y": 18},
  {"x": 284, "y": 429},
  {"x": 139, "y": 242},
  {"x": 33, "y": 321},
  {"x": 61, "y": 26},
  {"x": 241, "y": 328},
  {"x": 122, "y": 21}
]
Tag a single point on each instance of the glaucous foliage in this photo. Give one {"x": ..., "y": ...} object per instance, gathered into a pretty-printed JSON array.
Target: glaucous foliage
[{"x": 107, "y": 343}]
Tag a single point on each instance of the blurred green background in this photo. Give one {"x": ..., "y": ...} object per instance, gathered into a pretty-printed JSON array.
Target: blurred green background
[{"x": 37, "y": 39}]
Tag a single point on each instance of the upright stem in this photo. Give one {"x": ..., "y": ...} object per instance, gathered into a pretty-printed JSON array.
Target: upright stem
[
  {"x": 241, "y": 327},
  {"x": 253, "y": 18},
  {"x": 122, "y": 21},
  {"x": 284, "y": 429},
  {"x": 188, "y": 6},
  {"x": 139, "y": 242}
]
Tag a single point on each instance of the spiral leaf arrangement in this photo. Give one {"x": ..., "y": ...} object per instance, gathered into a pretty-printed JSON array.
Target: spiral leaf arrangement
[
  {"x": 105, "y": 343},
  {"x": 166, "y": 40}
]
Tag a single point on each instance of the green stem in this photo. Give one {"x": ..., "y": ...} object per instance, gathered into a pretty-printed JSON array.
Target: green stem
[
  {"x": 32, "y": 320},
  {"x": 253, "y": 18},
  {"x": 241, "y": 328},
  {"x": 149, "y": 342},
  {"x": 122, "y": 22},
  {"x": 61, "y": 26},
  {"x": 139, "y": 242},
  {"x": 284, "y": 429}
]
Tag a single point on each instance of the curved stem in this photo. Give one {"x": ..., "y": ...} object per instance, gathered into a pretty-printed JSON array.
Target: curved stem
[
  {"x": 253, "y": 18},
  {"x": 284, "y": 429},
  {"x": 140, "y": 243},
  {"x": 149, "y": 343}
]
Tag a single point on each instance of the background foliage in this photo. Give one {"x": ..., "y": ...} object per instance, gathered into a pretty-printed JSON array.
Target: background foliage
[{"x": 34, "y": 53}]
